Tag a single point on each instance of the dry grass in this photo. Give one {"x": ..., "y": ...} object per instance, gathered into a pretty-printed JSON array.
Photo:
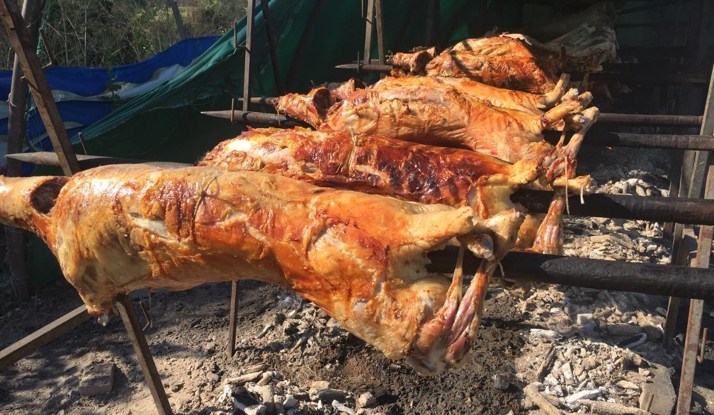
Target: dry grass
[{"x": 117, "y": 32}]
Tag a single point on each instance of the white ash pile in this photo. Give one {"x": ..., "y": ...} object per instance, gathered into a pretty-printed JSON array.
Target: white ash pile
[
  {"x": 302, "y": 329},
  {"x": 594, "y": 347},
  {"x": 627, "y": 172},
  {"x": 615, "y": 240},
  {"x": 574, "y": 372},
  {"x": 274, "y": 395},
  {"x": 593, "y": 313}
]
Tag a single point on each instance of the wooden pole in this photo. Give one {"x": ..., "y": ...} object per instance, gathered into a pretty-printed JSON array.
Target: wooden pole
[
  {"x": 691, "y": 185},
  {"x": 368, "y": 32},
  {"x": 18, "y": 91},
  {"x": 126, "y": 310},
  {"x": 23, "y": 45},
  {"x": 177, "y": 17},
  {"x": 302, "y": 45},
  {"x": 15, "y": 137},
  {"x": 696, "y": 310},
  {"x": 250, "y": 13},
  {"x": 41, "y": 337},
  {"x": 379, "y": 24},
  {"x": 272, "y": 45},
  {"x": 233, "y": 320}
]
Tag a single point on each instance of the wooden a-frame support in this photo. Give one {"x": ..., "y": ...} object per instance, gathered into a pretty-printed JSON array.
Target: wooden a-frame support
[{"x": 22, "y": 44}]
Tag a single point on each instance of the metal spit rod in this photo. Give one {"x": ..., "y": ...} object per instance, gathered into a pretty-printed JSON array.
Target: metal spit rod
[
  {"x": 253, "y": 117},
  {"x": 667, "y": 141},
  {"x": 604, "y": 118},
  {"x": 591, "y": 273}
]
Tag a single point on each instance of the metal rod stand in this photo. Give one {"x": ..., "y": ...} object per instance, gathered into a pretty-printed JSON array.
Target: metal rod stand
[
  {"x": 231, "y": 349},
  {"x": 696, "y": 310},
  {"x": 694, "y": 170},
  {"x": 133, "y": 329},
  {"x": 246, "y": 104}
]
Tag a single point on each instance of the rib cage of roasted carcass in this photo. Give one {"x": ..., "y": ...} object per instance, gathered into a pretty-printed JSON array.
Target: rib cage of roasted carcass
[{"x": 345, "y": 213}]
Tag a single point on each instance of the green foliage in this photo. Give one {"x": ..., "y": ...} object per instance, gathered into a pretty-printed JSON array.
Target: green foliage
[{"x": 118, "y": 32}]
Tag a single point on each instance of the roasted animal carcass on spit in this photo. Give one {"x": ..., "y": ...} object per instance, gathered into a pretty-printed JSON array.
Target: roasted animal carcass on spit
[
  {"x": 409, "y": 171},
  {"x": 515, "y": 61},
  {"x": 463, "y": 113},
  {"x": 583, "y": 49},
  {"x": 421, "y": 109},
  {"x": 499, "y": 61},
  {"x": 360, "y": 257},
  {"x": 312, "y": 108}
]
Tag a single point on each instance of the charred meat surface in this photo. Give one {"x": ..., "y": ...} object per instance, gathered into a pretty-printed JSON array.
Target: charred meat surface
[{"x": 420, "y": 173}]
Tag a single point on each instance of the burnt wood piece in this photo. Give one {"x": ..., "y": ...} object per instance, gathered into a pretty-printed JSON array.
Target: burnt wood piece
[{"x": 591, "y": 273}]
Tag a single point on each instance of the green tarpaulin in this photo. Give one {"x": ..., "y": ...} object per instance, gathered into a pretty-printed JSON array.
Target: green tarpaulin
[{"x": 165, "y": 124}]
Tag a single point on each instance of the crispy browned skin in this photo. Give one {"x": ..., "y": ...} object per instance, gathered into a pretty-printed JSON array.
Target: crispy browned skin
[
  {"x": 424, "y": 110},
  {"x": 342, "y": 90},
  {"x": 360, "y": 257},
  {"x": 311, "y": 107},
  {"x": 543, "y": 233},
  {"x": 372, "y": 164},
  {"x": 509, "y": 98},
  {"x": 506, "y": 99},
  {"x": 385, "y": 166},
  {"x": 379, "y": 165},
  {"x": 500, "y": 61},
  {"x": 503, "y": 72},
  {"x": 511, "y": 47}
]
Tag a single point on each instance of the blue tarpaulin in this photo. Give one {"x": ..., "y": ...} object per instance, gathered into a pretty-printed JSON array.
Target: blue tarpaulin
[{"x": 86, "y": 95}]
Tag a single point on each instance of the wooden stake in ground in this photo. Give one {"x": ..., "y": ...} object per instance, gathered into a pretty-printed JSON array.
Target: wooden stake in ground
[{"x": 31, "y": 10}]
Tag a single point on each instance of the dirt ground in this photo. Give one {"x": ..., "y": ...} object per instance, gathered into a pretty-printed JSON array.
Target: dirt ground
[{"x": 187, "y": 341}]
